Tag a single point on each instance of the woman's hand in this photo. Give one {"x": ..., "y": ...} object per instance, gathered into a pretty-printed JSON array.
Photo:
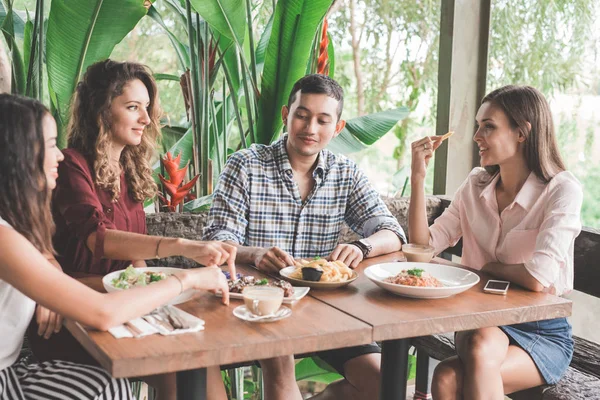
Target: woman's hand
[
  {"x": 48, "y": 321},
  {"x": 422, "y": 151},
  {"x": 210, "y": 253},
  {"x": 208, "y": 278}
]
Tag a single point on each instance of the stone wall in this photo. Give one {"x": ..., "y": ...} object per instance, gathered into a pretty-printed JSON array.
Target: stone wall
[{"x": 190, "y": 226}]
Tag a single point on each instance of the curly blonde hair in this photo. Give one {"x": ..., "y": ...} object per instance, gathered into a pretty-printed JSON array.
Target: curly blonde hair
[{"x": 90, "y": 123}]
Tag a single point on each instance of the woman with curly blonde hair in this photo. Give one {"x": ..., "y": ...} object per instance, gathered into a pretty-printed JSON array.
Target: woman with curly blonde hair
[{"x": 98, "y": 201}]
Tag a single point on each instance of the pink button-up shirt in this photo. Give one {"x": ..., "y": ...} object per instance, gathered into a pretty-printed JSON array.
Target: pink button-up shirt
[{"x": 538, "y": 229}]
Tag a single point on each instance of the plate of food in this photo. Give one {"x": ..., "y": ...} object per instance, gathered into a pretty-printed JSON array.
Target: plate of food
[
  {"x": 319, "y": 274},
  {"x": 290, "y": 294},
  {"x": 421, "y": 280},
  {"x": 134, "y": 277}
]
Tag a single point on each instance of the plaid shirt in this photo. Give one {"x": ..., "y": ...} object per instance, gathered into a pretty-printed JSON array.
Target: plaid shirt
[{"x": 257, "y": 203}]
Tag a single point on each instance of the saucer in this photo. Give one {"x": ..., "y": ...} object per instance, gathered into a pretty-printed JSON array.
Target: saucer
[{"x": 242, "y": 313}]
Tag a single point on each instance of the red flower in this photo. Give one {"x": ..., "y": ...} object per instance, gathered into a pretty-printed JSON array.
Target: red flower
[
  {"x": 323, "y": 60},
  {"x": 173, "y": 186}
]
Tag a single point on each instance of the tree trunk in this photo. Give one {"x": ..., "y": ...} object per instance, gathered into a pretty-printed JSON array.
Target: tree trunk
[
  {"x": 4, "y": 69},
  {"x": 360, "y": 92}
]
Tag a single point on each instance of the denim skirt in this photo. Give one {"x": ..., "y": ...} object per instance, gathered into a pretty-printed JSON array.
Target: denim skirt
[{"x": 549, "y": 343}]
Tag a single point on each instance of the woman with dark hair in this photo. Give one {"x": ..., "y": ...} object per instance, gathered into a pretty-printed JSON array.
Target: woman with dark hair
[
  {"x": 518, "y": 218},
  {"x": 98, "y": 202},
  {"x": 29, "y": 160}
]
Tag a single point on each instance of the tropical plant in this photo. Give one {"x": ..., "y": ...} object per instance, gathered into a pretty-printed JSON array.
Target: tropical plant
[
  {"x": 75, "y": 35},
  {"x": 255, "y": 79}
]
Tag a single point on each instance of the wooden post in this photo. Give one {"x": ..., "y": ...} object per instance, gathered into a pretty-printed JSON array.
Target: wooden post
[{"x": 464, "y": 38}]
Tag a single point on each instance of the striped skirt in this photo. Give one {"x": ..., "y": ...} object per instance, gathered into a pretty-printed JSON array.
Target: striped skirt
[{"x": 60, "y": 380}]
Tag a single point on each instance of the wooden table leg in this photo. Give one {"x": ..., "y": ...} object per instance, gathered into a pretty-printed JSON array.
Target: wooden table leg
[
  {"x": 394, "y": 369},
  {"x": 191, "y": 385}
]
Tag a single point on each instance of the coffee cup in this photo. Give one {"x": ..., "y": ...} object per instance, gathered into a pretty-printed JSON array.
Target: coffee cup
[
  {"x": 262, "y": 300},
  {"x": 418, "y": 252}
]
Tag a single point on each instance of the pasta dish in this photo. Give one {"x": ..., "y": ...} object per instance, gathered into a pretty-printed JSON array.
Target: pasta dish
[
  {"x": 333, "y": 271},
  {"x": 414, "y": 277}
]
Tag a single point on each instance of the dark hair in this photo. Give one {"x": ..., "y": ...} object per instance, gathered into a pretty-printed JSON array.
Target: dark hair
[
  {"x": 90, "y": 126},
  {"x": 522, "y": 105},
  {"x": 319, "y": 84},
  {"x": 24, "y": 192}
]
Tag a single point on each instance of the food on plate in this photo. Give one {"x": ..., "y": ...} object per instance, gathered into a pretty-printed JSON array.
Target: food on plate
[
  {"x": 332, "y": 271},
  {"x": 243, "y": 281},
  {"x": 132, "y": 277},
  {"x": 414, "y": 277},
  {"x": 311, "y": 274}
]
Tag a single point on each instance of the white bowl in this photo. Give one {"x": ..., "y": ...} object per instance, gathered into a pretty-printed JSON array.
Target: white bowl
[
  {"x": 182, "y": 298},
  {"x": 455, "y": 280}
]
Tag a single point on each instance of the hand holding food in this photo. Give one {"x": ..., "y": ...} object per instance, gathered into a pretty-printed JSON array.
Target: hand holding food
[
  {"x": 332, "y": 271},
  {"x": 422, "y": 151}
]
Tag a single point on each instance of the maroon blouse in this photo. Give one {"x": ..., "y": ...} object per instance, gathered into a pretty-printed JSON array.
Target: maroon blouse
[{"x": 80, "y": 208}]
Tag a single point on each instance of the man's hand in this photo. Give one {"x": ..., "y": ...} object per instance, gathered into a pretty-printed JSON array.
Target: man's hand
[
  {"x": 48, "y": 321},
  {"x": 349, "y": 254},
  {"x": 272, "y": 260}
]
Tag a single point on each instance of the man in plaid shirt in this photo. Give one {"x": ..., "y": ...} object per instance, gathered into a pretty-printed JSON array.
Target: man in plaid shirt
[{"x": 289, "y": 200}]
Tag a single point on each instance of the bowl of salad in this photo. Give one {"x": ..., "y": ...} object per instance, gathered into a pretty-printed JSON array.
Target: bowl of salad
[{"x": 136, "y": 277}]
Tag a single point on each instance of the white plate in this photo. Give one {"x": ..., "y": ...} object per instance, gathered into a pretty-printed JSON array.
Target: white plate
[
  {"x": 242, "y": 313},
  {"x": 182, "y": 298},
  {"x": 455, "y": 280},
  {"x": 287, "y": 271},
  {"x": 299, "y": 292}
]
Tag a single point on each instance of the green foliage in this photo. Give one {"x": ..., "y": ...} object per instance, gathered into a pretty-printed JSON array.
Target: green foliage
[
  {"x": 294, "y": 26},
  {"x": 69, "y": 52}
]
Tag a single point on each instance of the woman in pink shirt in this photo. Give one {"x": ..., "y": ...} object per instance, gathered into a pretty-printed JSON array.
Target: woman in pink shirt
[{"x": 518, "y": 217}]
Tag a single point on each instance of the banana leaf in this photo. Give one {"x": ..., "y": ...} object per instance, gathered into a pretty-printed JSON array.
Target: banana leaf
[
  {"x": 362, "y": 132},
  {"x": 18, "y": 24},
  {"x": 201, "y": 204},
  {"x": 294, "y": 26},
  {"x": 7, "y": 27},
  {"x": 83, "y": 32},
  {"x": 182, "y": 50},
  {"x": 228, "y": 17},
  {"x": 261, "y": 47},
  {"x": 331, "y": 56}
]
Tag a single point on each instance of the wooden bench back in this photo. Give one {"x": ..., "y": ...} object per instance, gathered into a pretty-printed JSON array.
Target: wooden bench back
[{"x": 586, "y": 258}]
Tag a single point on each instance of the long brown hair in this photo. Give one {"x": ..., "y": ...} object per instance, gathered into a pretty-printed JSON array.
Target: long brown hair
[
  {"x": 523, "y": 105},
  {"x": 90, "y": 127},
  {"x": 24, "y": 192}
]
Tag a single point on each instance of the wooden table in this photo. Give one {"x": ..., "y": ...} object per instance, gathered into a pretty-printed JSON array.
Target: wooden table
[
  {"x": 396, "y": 319},
  {"x": 313, "y": 326}
]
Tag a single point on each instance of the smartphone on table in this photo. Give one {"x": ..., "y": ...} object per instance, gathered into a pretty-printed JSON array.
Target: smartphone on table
[{"x": 496, "y": 287}]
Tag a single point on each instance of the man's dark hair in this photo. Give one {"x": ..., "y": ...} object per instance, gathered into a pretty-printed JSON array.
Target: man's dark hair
[{"x": 319, "y": 84}]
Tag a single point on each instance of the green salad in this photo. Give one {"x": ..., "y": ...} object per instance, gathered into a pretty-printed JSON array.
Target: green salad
[{"x": 133, "y": 277}]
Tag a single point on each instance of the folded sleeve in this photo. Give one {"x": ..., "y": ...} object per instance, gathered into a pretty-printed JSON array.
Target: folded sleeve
[
  {"x": 366, "y": 213},
  {"x": 227, "y": 218},
  {"x": 560, "y": 226},
  {"x": 78, "y": 205}
]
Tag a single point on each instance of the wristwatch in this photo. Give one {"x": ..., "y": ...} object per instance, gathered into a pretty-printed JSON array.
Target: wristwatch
[{"x": 364, "y": 246}]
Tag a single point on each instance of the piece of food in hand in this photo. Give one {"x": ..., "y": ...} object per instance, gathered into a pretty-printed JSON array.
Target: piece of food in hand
[
  {"x": 414, "y": 277},
  {"x": 447, "y": 135},
  {"x": 312, "y": 274}
]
